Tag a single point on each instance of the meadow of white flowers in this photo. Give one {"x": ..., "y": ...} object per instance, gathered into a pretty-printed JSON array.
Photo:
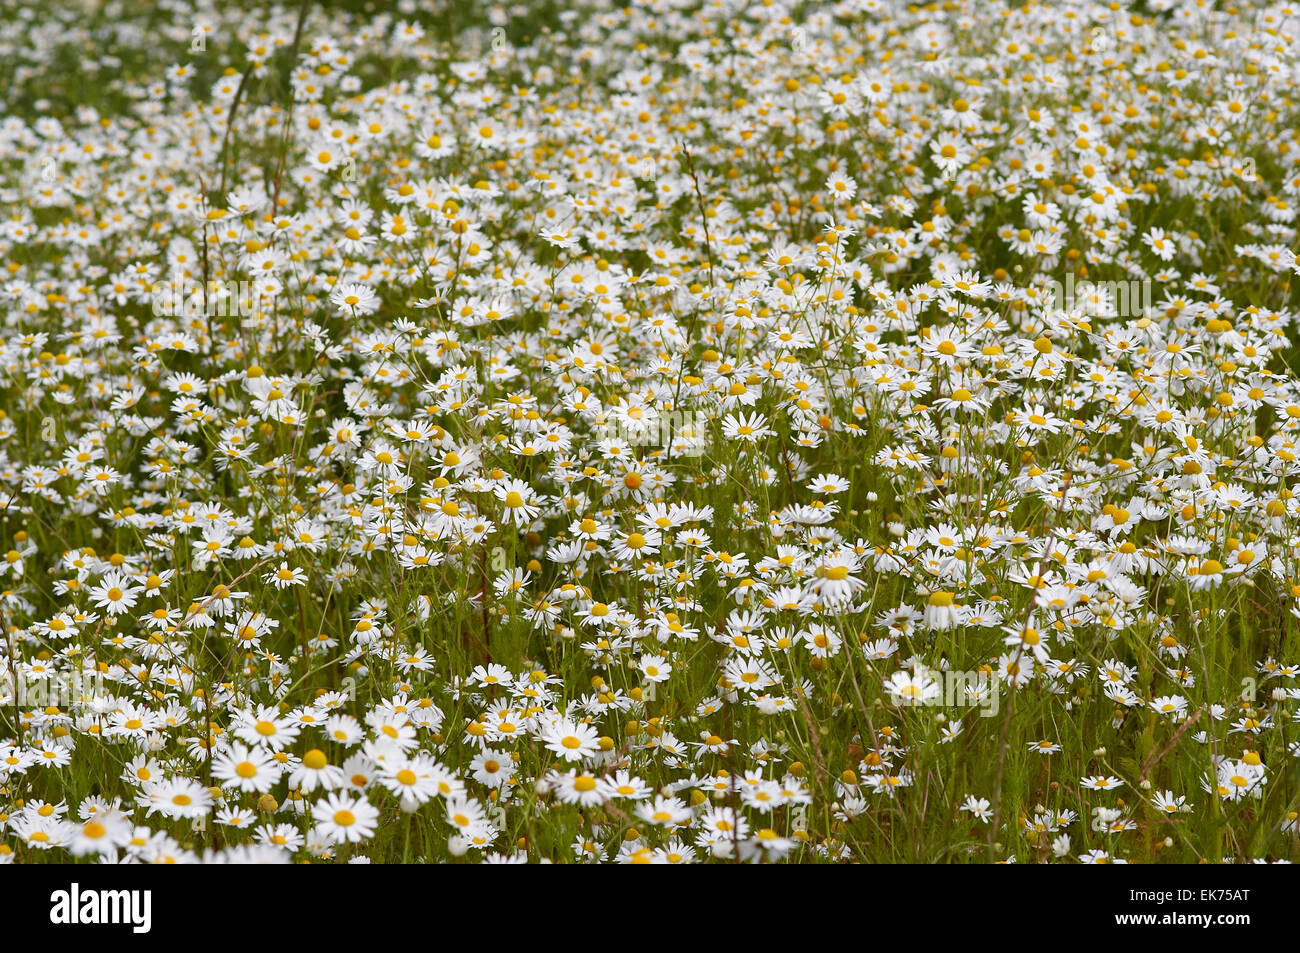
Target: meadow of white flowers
[{"x": 661, "y": 432}]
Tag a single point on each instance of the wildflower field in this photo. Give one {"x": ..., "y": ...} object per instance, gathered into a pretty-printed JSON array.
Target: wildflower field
[{"x": 674, "y": 431}]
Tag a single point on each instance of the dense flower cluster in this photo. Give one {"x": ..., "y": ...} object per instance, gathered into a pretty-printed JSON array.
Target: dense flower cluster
[{"x": 650, "y": 434}]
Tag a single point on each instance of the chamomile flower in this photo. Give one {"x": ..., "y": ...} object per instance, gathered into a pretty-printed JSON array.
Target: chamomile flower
[{"x": 344, "y": 818}]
